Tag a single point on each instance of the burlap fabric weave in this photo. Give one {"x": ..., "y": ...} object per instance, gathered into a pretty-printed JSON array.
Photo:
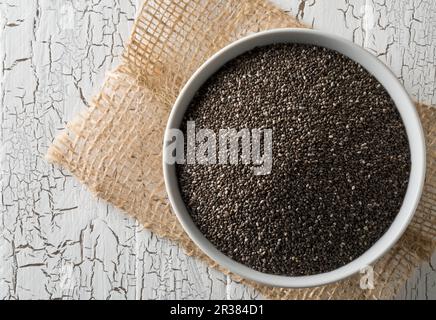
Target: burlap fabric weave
[{"x": 114, "y": 147}]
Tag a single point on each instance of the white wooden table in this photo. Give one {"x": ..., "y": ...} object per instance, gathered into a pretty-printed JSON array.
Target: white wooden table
[{"x": 58, "y": 241}]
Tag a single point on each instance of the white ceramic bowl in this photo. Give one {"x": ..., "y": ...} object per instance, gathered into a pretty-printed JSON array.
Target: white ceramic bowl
[{"x": 392, "y": 86}]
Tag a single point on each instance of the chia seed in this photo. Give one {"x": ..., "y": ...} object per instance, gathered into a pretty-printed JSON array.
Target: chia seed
[{"x": 341, "y": 161}]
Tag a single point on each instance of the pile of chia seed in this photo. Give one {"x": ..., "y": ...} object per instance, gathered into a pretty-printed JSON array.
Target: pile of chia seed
[{"x": 341, "y": 161}]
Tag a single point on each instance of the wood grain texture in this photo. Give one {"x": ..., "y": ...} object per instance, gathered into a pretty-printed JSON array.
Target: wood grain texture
[{"x": 56, "y": 240}]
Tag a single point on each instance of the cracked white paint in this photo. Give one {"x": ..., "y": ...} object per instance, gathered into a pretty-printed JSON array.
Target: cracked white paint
[{"x": 58, "y": 241}]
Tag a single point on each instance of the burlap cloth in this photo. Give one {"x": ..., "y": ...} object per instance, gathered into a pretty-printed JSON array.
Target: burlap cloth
[{"x": 114, "y": 147}]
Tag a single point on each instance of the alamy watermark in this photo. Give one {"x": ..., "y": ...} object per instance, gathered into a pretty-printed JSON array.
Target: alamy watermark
[
  {"x": 225, "y": 147},
  {"x": 367, "y": 278}
]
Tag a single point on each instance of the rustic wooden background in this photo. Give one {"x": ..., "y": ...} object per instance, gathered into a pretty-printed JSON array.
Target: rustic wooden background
[{"x": 56, "y": 240}]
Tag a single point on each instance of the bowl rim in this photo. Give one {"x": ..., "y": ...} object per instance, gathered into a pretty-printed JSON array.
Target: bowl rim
[{"x": 403, "y": 103}]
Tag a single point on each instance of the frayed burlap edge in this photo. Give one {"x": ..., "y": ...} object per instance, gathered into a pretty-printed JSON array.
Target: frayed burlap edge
[{"x": 114, "y": 147}]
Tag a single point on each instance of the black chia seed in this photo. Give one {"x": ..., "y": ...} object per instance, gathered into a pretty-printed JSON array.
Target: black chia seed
[{"x": 341, "y": 161}]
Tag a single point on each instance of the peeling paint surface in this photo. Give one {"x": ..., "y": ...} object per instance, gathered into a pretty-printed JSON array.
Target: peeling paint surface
[{"x": 59, "y": 242}]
